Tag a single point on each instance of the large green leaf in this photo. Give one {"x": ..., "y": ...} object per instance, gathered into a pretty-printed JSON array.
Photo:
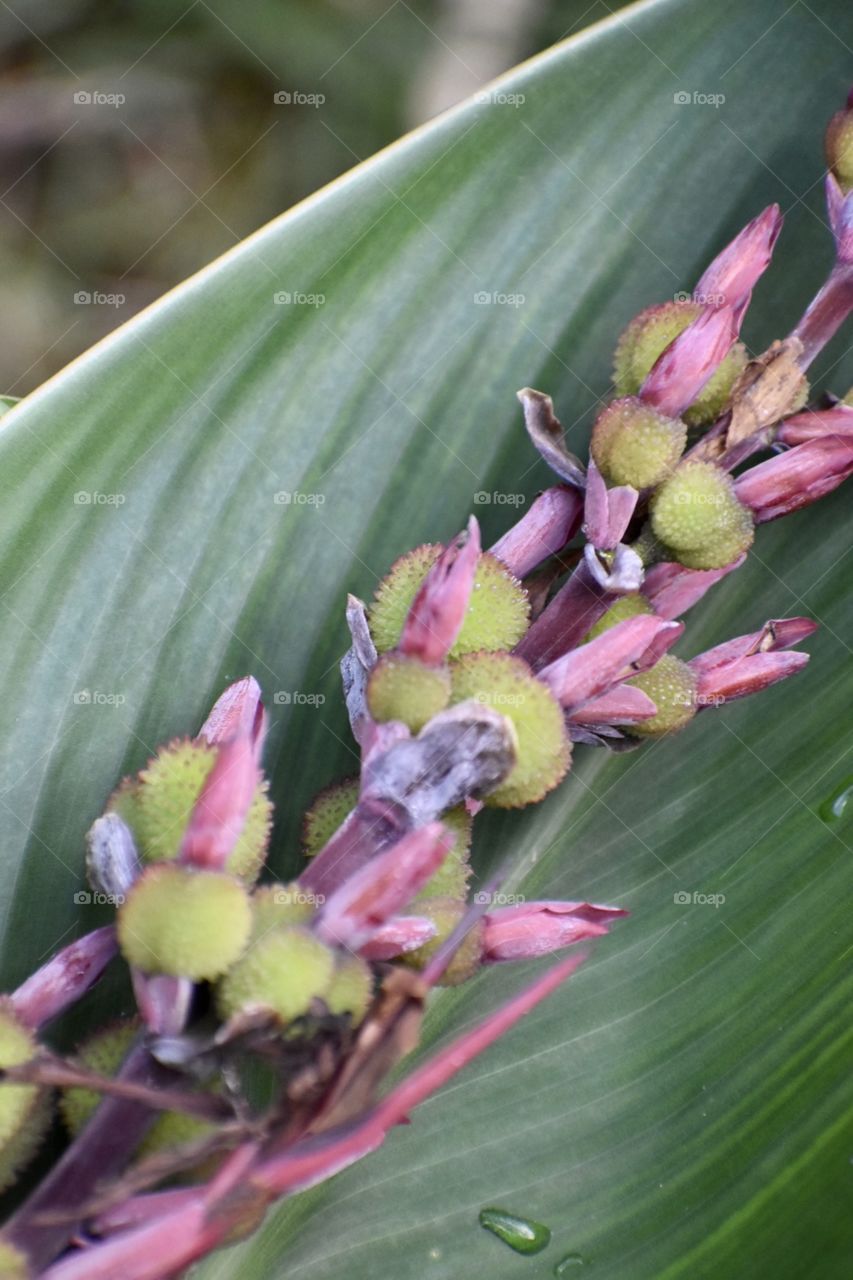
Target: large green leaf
[{"x": 679, "y": 1109}]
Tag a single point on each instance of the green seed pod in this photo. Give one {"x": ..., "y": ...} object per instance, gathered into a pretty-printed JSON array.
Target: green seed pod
[
  {"x": 157, "y": 807},
  {"x": 328, "y": 810},
  {"x": 192, "y": 924},
  {"x": 671, "y": 685},
  {"x": 630, "y": 605},
  {"x": 497, "y": 615},
  {"x": 351, "y": 988},
  {"x": 402, "y": 688},
  {"x": 13, "y": 1263},
  {"x": 839, "y": 148},
  {"x": 543, "y": 752},
  {"x": 696, "y": 513},
  {"x": 104, "y": 1053},
  {"x": 445, "y": 914},
  {"x": 451, "y": 878},
  {"x": 283, "y": 971},
  {"x": 634, "y": 444},
  {"x": 278, "y": 904},
  {"x": 646, "y": 338},
  {"x": 24, "y": 1108}
]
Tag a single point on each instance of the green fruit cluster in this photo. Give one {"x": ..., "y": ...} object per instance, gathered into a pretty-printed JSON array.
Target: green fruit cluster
[
  {"x": 696, "y": 513},
  {"x": 24, "y": 1108},
  {"x": 634, "y": 444},
  {"x": 402, "y": 688}
]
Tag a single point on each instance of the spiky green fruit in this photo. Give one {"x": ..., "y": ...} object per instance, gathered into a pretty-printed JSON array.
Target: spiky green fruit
[
  {"x": 283, "y": 971},
  {"x": 351, "y": 988},
  {"x": 543, "y": 751},
  {"x": 13, "y": 1263},
  {"x": 402, "y": 688},
  {"x": 104, "y": 1053},
  {"x": 839, "y": 148},
  {"x": 498, "y": 610},
  {"x": 445, "y": 913},
  {"x": 451, "y": 878},
  {"x": 631, "y": 605},
  {"x": 696, "y": 513},
  {"x": 328, "y": 810},
  {"x": 157, "y": 807},
  {"x": 646, "y": 338},
  {"x": 671, "y": 685},
  {"x": 634, "y": 444},
  {"x": 278, "y": 904},
  {"x": 24, "y": 1108},
  {"x": 192, "y": 924}
]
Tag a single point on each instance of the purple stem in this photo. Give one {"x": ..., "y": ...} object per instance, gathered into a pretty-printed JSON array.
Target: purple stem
[
  {"x": 826, "y": 314},
  {"x": 65, "y": 978},
  {"x": 576, "y": 607}
]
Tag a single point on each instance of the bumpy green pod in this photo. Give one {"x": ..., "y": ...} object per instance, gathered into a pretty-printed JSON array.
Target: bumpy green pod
[
  {"x": 647, "y": 337},
  {"x": 631, "y": 605},
  {"x": 451, "y": 878},
  {"x": 697, "y": 514},
  {"x": 192, "y": 924},
  {"x": 157, "y": 807},
  {"x": 498, "y": 610},
  {"x": 543, "y": 751},
  {"x": 671, "y": 685},
  {"x": 13, "y": 1263},
  {"x": 351, "y": 988},
  {"x": 24, "y": 1108},
  {"x": 445, "y": 914},
  {"x": 634, "y": 444},
  {"x": 283, "y": 971},
  {"x": 402, "y": 688},
  {"x": 280, "y": 904},
  {"x": 328, "y": 810}
]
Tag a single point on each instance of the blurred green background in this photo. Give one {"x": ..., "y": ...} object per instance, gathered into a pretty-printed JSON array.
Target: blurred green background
[{"x": 141, "y": 138}]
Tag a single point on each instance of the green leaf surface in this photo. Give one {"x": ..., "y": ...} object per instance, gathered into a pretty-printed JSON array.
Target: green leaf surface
[{"x": 682, "y": 1107}]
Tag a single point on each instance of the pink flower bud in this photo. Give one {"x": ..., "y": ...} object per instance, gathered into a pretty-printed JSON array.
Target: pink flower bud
[
  {"x": 552, "y": 521},
  {"x": 751, "y": 662},
  {"x": 729, "y": 279},
  {"x": 537, "y": 928},
  {"x": 607, "y": 512},
  {"x": 778, "y": 633},
  {"x": 817, "y": 424},
  {"x": 238, "y": 710},
  {"x": 617, "y": 654},
  {"x": 671, "y": 589},
  {"x": 223, "y": 804},
  {"x": 680, "y": 373},
  {"x": 438, "y": 611},
  {"x": 398, "y": 936},
  {"x": 796, "y": 478},
  {"x": 623, "y": 704},
  {"x": 382, "y": 887}
]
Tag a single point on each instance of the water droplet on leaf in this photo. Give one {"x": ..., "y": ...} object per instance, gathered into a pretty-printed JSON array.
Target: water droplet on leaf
[
  {"x": 567, "y": 1265},
  {"x": 835, "y": 805},
  {"x": 522, "y": 1234}
]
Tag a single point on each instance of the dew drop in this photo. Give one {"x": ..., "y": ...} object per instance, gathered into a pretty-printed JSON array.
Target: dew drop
[
  {"x": 522, "y": 1234},
  {"x": 835, "y": 805},
  {"x": 566, "y": 1266}
]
